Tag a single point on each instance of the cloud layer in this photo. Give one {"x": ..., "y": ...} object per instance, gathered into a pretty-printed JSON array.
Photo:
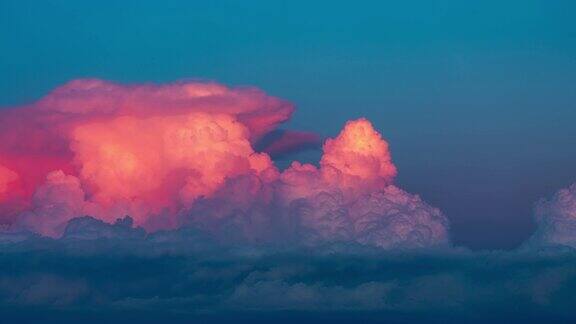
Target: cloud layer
[{"x": 115, "y": 270}]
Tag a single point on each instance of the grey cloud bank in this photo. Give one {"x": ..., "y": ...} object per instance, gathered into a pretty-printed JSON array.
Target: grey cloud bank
[{"x": 115, "y": 272}]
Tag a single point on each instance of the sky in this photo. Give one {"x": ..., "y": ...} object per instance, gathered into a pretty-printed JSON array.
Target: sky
[
  {"x": 476, "y": 100},
  {"x": 311, "y": 161}
]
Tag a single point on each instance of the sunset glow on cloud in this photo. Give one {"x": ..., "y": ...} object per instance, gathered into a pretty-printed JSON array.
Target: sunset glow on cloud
[
  {"x": 7, "y": 176},
  {"x": 162, "y": 153}
]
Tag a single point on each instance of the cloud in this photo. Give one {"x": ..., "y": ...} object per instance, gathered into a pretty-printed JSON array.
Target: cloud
[
  {"x": 141, "y": 149},
  {"x": 7, "y": 176},
  {"x": 118, "y": 269},
  {"x": 281, "y": 143},
  {"x": 360, "y": 156},
  {"x": 556, "y": 220},
  {"x": 55, "y": 202},
  {"x": 349, "y": 198},
  {"x": 184, "y": 154},
  {"x": 164, "y": 199}
]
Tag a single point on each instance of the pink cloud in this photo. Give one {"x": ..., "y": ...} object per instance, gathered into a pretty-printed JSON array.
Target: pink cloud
[{"x": 183, "y": 153}]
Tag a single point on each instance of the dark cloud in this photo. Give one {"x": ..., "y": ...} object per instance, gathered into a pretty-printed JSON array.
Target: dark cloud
[
  {"x": 281, "y": 143},
  {"x": 121, "y": 271}
]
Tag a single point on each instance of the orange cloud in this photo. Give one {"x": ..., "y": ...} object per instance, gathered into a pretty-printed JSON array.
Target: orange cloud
[
  {"x": 360, "y": 155},
  {"x": 356, "y": 161},
  {"x": 139, "y": 149},
  {"x": 165, "y": 163}
]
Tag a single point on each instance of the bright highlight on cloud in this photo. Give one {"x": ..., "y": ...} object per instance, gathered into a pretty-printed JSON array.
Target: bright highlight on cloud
[{"x": 183, "y": 154}]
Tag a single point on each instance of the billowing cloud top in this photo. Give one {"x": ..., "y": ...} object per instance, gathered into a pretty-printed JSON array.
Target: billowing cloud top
[
  {"x": 183, "y": 154},
  {"x": 360, "y": 153}
]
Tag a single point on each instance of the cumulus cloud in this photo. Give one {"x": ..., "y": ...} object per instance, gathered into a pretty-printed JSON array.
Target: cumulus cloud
[
  {"x": 184, "y": 154},
  {"x": 556, "y": 220},
  {"x": 391, "y": 218},
  {"x": 337, "y": 202},
  {"x": 143, "y": 150},
  {"x": 360, "y": 156}
]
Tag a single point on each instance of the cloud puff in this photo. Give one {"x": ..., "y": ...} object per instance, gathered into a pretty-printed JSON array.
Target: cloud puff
[
  {"x": 55, "y": 202},
  {"x": 172, "y": 163},
  {"x": 360, "y": 156},
  {"x": 556, "y": 220},
  {"x": 391, "y": 218}
]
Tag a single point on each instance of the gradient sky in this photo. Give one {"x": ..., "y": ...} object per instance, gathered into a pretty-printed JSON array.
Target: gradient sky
[{"x": 477, "y": 99}]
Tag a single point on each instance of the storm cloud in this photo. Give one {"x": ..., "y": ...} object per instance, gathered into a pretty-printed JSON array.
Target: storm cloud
[{"x": 184, "y": 154}]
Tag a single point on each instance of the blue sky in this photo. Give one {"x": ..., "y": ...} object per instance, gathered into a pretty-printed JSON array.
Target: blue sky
[{"x": 477, "y": 98}]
